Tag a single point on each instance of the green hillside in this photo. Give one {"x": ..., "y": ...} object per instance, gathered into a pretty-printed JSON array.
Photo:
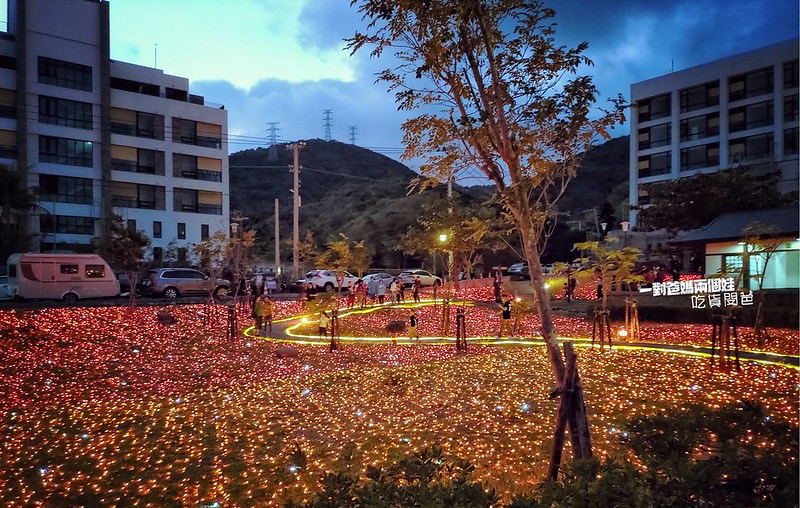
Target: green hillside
[{"x": 363, "y": 194}]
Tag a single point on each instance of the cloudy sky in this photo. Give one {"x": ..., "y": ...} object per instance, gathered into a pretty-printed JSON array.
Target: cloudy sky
[{"x": 283, "y": 60}]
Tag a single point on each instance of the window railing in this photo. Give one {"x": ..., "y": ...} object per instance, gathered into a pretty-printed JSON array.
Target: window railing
[
  {"x": 210, "y": 209},
  {"x": 8, "y": 152},
  {"x": 124, "y": 202},
  {"x": 125, "y": 128},
  {"x": 202, "y": 174}
]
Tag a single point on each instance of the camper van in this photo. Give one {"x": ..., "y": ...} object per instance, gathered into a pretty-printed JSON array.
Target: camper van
[{"x": 67, "y": 277}]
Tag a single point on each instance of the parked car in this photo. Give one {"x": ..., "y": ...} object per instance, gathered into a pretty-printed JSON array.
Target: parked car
[
  {"x": 425, "y": 277},
  {"x": 326, "y": 279},
  {"x": 517, "y": 268},
  {"x": 377, "y": 277},
  {"x": 175, "y": 282},
  {"x": 4, "y": 287}
]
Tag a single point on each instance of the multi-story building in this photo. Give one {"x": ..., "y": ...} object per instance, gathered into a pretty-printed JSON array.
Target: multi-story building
[
  {"x": 96, "y": 137},
  {"x": 740, "y": 110}
]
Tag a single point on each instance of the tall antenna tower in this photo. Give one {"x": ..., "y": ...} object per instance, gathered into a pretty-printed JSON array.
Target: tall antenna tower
[
  {"x": 273, "y": 132},
  {"x": 353, "y": 130},
  {"x": 327, "y": 122}
]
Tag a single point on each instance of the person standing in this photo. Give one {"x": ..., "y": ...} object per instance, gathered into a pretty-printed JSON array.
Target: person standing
[
  {"x": 258, "y": 309},
  {"x": 413, "y": 321},
  {"x": 323, "y": 324},
  {"x": 505, "y": 317},
  {"x": 496, "y": 286},
  {"x": 393, "y": 291},
  {"x": 381, "y": 291},
  {"x": 267, "y": 308},
  {"x": 372, "y": 290},
  {"x": 351, "y": 295},
  {"x": 417, "y": 286}
]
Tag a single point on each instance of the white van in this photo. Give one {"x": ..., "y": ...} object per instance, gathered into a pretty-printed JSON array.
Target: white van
[{"x": 67, "y": 277}]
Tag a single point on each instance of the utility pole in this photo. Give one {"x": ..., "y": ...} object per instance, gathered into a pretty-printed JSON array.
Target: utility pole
[
  {"x": 295, "y": 147},
  {"x": 277, "y": 241},
  {"x": 353, "y": 134},
  {"x": 450, "y": 212},
  {"x": 327, "y": 121}
]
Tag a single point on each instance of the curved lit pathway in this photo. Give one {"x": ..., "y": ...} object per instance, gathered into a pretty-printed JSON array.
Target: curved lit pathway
[{"x": 286, "y": 330}]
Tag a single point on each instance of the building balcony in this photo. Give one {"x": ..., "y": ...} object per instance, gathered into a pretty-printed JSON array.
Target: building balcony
[{"x": 201, "y": 208}]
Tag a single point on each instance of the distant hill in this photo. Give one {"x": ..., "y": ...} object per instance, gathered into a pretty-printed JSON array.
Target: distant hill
[
  {"x": 604, "y": 168},
  {"x": 363, "y": 194}
]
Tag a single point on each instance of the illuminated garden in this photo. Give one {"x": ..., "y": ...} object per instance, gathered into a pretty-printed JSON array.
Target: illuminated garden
[{"x": 117, "y": 406}]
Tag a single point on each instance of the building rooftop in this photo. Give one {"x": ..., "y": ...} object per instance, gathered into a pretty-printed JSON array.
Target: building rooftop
[{"x": 729, "y": 226}]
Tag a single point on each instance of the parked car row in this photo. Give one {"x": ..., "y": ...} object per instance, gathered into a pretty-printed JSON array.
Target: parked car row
[{"x": 326, "y": 279}]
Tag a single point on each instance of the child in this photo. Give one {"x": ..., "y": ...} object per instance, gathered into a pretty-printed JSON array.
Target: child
[{"x": 412, "y": 326}]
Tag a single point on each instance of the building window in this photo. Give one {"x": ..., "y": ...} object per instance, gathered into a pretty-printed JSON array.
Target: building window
[
  {"x": 751, "y": 148},
  {"x": 156, "y": 229},
  {"x": 732, "y": 263},
  {"x": 654, "y": 107},
  {"x": 158, "y": 254},
  {"x": 790, "y": 104},
  {"x": 65, "y": 189},
  {"x": 8, "y": 62},
  {"x": 790, "y": 74},
  {"x": 655, "y": 164},
  {"x": 184, "y": 131},
  {"x": 131, "y": 195},
  {"x": 66, "y": 74},
  {"x": 751, "y": 116},
  {"x": 699, "y": 97},
  {"x": 56, "y": 111},
  {"x": 697, "y": 157},
  {"x": 657, "y": 135},
  {"x": 132, "y": 225},
  {"x": 182, "y": 254},
  {"x": 95, "y": 271},
  {"x": 751, "y": 84},
  {"x": 181, "y": 231},
  {"x": 72, "y": 152},
  {"x": 135, "y": 86},
  {"x": 137, "y": 123},
  {"x": 189, "y": 166},
  {"x": 203, "y": 232},
  {"x": 65, "y": 224},
  {"x": 790, "y": 141},
  {"x": 699, "y": 127}
]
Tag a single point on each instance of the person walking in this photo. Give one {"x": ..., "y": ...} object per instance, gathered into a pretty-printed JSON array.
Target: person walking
[
  {"x": 505, "y": 317},
  {"x": 362, "y": 293},
  {"x": 413, "y": 321},
  {"x": 417, "y": 286}
]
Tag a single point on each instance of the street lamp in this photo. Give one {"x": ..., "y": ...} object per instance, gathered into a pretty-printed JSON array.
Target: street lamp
[
  {"x": 443, "y": 240},
  {"x": 625, "y": 227}
]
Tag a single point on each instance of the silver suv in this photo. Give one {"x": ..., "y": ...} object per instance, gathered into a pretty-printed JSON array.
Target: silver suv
[{"x": 174, "y": 282}]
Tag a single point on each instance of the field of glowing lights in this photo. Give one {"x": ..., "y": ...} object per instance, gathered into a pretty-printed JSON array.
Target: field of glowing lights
[{"x": 109, "y": 405}]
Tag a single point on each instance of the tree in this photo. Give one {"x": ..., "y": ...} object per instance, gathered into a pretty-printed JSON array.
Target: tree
[
  {"x": 606, "y": 261},
  {"x": 760, "y": 245},
  {"x": 693, "y": 202},
  {"x": 341, "y": 256},
  {"x": 493, "y": 90},
  {"x": 16, "y": 203},
  {"x": 124, "y": 250},
  {"x": 469, "y": 230}
]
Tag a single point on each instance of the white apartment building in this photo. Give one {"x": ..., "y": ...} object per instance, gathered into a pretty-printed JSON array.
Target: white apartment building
[
  {"x": 96, "y": 137},
  {"x": 740, "y": 110}
]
